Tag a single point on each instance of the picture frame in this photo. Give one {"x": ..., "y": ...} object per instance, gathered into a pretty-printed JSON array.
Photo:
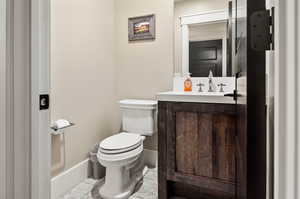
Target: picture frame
[{"x": 141, "y": 28}]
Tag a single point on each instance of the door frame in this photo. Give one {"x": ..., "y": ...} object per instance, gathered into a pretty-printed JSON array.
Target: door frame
[
  {"x": 287, "y": 95},
  {"x": 40, "y": 84},
  {"x": 15, "y": 99},
  {"x": 3, "y": 100},
  {"x": 25, "y": 158}
]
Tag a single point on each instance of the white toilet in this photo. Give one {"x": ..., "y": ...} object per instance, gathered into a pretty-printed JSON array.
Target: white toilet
[{"x": 122, "y": 154}]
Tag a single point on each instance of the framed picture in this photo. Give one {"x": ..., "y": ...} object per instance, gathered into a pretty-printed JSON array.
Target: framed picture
[{"x": 141, "y": 28}]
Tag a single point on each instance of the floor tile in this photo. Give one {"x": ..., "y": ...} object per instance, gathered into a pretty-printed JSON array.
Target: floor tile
[{"x": 89, "y": 189}]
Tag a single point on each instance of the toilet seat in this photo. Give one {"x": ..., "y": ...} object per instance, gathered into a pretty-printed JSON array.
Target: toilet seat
[
  {"x": 121, "y": 143},
  {"x": 119, "y": 158}
]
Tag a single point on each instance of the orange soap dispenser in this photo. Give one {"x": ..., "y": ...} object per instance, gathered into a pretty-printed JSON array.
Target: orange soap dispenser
[{"x": 188, "y": 84}]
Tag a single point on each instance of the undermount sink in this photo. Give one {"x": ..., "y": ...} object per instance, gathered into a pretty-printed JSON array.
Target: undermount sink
[{"x": 205, "y": 97}]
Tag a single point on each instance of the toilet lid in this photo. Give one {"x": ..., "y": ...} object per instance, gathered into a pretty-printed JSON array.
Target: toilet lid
[{"x": 121, "y": 142}]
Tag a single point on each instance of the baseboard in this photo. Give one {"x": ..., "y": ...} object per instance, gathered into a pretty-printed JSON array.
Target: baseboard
[
  {"x": 65, "y": 181},
  {"x": 150, "y": 157}
]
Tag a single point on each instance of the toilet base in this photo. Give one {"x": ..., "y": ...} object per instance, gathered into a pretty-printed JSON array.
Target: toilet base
[
  {"x": 121, "y": 181},
  {"x": 125, "y": 195}
]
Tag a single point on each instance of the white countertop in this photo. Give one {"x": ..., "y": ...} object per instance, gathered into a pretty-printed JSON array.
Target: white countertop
[{"x": 204, "y": 97}]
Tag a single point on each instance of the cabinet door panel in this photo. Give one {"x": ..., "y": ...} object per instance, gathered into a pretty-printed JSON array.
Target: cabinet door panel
[
  {"x": 200, "y": 147},
  {"x": 224, "y": 147},
  {"x": 205, "y": 145},
  {"x": 204, "y": 160},
  {"x": 194, "y": 144},
  {"x": 186, "y": 126}
]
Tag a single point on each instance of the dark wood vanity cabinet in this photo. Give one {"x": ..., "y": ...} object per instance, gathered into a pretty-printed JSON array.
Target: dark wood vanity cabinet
[{"x": 196, "y": 150}]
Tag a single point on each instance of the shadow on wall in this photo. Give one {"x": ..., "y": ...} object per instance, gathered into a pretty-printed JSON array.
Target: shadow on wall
[{"x": 58, "y": 161}]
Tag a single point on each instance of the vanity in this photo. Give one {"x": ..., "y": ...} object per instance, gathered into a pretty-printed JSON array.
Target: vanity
[
  {"x": 210, "y": 146},
  {"x": 196, "y": 150}
]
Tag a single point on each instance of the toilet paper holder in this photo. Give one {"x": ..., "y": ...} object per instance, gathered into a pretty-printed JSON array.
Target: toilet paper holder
[
  {"x": 61, "y": 124},
  {"x": 57, "y": 129}
]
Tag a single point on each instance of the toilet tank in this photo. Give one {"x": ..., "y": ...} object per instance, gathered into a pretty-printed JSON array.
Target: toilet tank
[{"x": 139, "y": 116}]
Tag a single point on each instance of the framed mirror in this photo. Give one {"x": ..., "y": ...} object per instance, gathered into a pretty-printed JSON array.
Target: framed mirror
[{"x": 202, "y": 41}]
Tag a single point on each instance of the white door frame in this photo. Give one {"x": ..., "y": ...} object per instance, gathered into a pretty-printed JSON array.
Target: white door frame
[
  {"x": 287, "y": 96},
  {"x": 24, "y": 60},
  {"x": 15, "y": 99},
  {"x": 40, "y": 84},
  {"x": 3, "y": 100}
]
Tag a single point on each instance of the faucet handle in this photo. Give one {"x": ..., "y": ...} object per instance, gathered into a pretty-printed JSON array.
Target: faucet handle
[
  {"x": 221, "y": 87},
  {"x": 200, "y": 87}
]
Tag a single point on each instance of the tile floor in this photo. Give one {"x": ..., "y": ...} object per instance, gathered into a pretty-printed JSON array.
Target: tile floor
[
  {"x": 81, "y": 191},
  {"x": 89, "y": 188}
]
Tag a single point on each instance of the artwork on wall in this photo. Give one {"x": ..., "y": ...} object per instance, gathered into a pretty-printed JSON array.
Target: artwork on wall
[{"x": 141, "y": 28}]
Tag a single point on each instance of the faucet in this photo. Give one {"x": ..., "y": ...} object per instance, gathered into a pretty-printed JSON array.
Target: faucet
[
  {"x": 200, "y": 87},
  {"x": 221, "y": 87},
  {"x": 211, "y": 85}
]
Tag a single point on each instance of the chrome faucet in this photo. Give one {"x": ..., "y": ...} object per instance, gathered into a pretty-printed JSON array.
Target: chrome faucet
[
  {"x": 200, "y": 87},
  {"x": 221, "y": 87},
  {"x": 211, "y": 85}
]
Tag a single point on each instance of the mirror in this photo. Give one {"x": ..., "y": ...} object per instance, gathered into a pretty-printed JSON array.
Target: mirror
[{"x": 202, "y": 38}]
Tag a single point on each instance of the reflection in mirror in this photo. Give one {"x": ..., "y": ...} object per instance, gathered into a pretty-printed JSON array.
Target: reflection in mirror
[{"x": 201, "y": 38}]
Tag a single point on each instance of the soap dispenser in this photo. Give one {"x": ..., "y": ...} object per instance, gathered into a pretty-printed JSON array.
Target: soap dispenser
[{"x": 188, "y": 84}]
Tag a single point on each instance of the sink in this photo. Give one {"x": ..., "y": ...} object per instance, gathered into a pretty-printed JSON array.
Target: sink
[
  {"x": 204, "y": 97},
  {"x": 192, "y": 93}
]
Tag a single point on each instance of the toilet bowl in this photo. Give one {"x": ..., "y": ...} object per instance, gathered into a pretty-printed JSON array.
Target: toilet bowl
[{"x": 122, "y": 153}]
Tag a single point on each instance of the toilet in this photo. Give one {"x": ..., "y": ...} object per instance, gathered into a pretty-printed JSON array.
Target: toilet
[{"x": 122, "y": 153}]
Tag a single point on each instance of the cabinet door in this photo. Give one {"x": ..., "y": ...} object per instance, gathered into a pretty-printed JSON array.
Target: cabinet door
[{"x": 201, "y": 149}]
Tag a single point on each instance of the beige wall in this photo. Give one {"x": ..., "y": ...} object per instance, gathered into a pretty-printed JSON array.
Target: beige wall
[
  {"x": 144, "y": 68},
  {"x": 189, "y": 7},
  {"x": 93, "y": 66},
  {"x": 83, "y": 85}
]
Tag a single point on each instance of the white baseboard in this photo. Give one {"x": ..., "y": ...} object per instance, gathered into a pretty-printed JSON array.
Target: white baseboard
[{"x": 67, "y": 180}]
